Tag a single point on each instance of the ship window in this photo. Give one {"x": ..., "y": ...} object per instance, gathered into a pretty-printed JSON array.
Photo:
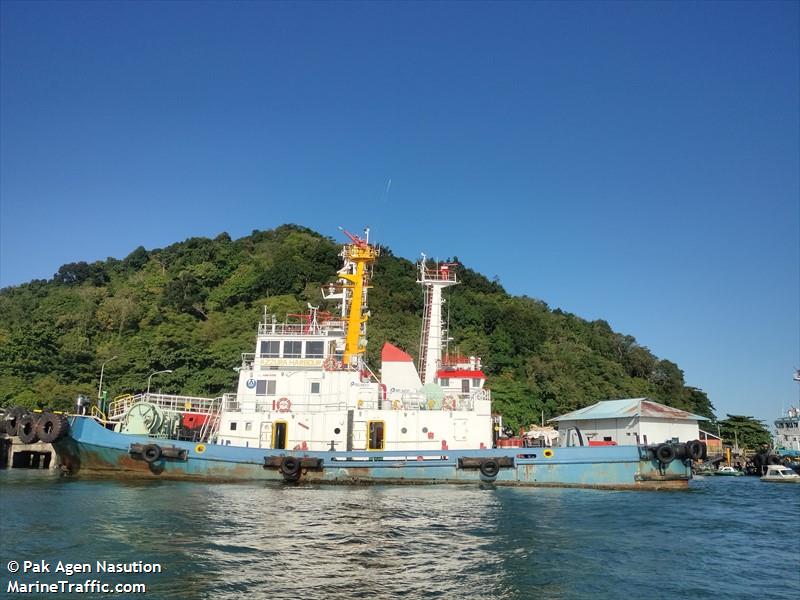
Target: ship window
[
  {"x": 375, "y": 432},
  {"x": 279, "y": 435},
  {"x": 315, "y": 349},
  {"x": 606, "y": 439},
  {"x": 292, "y": 349},
  {"x": 465, "y": 386},
  {"x": 337, "y": 431},
  {"x": 476, "y": 383},
  {"x": 444, "y": 382},
  {"x": 270, "y": 348},
  {"x": 265, "y": 387},
  {"x": 248, "y": 426},
  {"x": 315, "y": 387},
  {"x": 233, "y": 425}
]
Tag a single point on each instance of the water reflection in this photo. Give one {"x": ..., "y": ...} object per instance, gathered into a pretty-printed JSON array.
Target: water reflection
[{"x": 225, "y": 541}]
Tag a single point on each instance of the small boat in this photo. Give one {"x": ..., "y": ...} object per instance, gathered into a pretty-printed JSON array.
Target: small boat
[
  {"x": 727, "y": 472},
  {"x": 781, "y": 474}
]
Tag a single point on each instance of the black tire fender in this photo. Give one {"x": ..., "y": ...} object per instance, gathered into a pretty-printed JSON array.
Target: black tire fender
[
  {"x": 291, "y": 468},
  {"x": 489, "y": 468},
  {"x": 665, "y": 454},
  {"x": 26, "y": 428},
  {"x": 694, "y": 449},
  {"x": 12, "y": 418},
  {"x": 52, "y": 427},
  {"x": 151, "y": 453}
]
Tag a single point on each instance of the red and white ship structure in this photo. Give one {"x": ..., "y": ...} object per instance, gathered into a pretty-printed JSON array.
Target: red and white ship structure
[{"x": 308, "y": 407}]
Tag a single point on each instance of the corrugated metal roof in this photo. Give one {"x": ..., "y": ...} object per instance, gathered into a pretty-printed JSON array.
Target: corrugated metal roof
[{"x": 629, "y": 407}]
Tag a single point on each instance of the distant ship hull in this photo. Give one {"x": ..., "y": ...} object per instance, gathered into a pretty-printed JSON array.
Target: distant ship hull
[{"x": 90, "y": 449}]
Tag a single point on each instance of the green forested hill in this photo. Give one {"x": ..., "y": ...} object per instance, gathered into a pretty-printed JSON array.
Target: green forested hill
[{"x": 193, "y": 307}]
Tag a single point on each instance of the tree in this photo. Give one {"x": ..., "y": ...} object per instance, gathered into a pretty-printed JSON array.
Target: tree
[{"x": 748, "y": 431}]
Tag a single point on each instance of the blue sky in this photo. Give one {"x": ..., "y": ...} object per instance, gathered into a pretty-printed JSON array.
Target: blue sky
[{"x": 636, "y": 162}]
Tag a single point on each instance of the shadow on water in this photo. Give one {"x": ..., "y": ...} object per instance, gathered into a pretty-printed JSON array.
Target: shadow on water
[{"x": 297, "y": 541}]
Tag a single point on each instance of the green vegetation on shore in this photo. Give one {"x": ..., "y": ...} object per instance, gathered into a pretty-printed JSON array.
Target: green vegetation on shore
[{"x": 192, "y": 307}]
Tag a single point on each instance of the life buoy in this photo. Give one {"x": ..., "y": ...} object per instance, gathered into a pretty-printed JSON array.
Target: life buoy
[
  {"x": 665, "y": 454},
  {"x": 51, "y": 427},
  {"x": 284, "y": 405},
  {"x": 291, "y": 468},
  {"x": 329, "y": 364},
  {"x": 548, "y": 453},
  {"x": 151, "y": 453},
  {"x": 489, "y": 468}
]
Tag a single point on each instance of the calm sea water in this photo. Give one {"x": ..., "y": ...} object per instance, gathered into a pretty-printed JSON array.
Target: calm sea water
[{"x": 725, "y": 538}]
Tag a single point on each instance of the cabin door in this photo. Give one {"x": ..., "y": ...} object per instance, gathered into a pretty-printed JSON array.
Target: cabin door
[
  {"x": 460, "y": 430},
  {"x": 359, "y": 435},
  {"x": 265, "y": 435}
]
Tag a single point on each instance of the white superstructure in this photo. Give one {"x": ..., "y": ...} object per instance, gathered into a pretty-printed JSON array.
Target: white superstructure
[{"x": 306, "y": 385}]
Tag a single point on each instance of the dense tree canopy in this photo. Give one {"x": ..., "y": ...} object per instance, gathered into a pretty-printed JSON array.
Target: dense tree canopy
[
  {"x": 750, "y": 433},
  {"x": 192, "y": 307}
]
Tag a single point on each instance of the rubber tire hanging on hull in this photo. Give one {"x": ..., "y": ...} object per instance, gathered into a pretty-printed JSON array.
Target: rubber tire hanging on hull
[
  {"x": 665, "y": 454},
  {"x": 26, "y": 428},
  {"x": 694, "y": 449},
  {"x": 12, "y": 420},
  {"x": 291, "y": 468},
  {"x": 151, "y": 453},
  {"x": 52, "y": 427},
  {"x": 489, "y": 468}
]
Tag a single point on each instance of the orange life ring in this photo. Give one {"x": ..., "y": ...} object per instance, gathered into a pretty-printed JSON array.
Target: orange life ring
[{"x": 284, "y": 405}]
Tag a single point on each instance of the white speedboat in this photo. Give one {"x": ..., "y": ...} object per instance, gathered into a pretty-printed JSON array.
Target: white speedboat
[{"x": 781, "y": 474}]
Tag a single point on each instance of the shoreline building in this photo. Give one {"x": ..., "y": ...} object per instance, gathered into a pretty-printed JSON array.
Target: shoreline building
[{"x": 631, "y": 421}]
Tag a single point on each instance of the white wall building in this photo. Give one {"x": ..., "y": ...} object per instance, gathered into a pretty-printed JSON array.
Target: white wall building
[{"x": 631, "y": 421}]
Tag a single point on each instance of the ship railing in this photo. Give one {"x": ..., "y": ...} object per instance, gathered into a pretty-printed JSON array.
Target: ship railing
[
  {"x": 169, "y": 402},
  {"x": 321, "y": 329}
]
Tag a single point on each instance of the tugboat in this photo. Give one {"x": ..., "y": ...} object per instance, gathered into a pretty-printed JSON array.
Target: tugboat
[{"x": 308, "y": 408}]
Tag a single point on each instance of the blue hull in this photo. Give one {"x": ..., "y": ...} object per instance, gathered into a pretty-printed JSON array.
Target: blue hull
[{"x": 90, "y": 449}]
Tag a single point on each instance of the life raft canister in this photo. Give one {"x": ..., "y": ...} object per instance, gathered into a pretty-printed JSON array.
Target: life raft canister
[{"x": 284, "y": 405}]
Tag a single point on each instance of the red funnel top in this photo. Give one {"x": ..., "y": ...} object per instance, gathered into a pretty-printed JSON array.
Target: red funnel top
[{"x": 391, "y": 353}]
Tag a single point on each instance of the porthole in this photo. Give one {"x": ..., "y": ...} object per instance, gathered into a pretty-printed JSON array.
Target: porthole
[
  {"x": 404, "y": 430},
  {"x": 337, "y": 431},
  {"x": 424, "y": 430}
]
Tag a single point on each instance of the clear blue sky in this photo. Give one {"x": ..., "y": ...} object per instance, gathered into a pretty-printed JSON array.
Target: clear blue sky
[{"x": 636, "y": 162}]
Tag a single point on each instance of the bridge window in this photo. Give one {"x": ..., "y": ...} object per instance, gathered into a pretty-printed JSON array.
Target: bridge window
[
  {"x": 375, "y": 432},
  {"x": 270, "y": 349},
  {"x": 265, "y": 387},
  {"x": 444, "y": 382},
  {"x": 292, "y": 349},
  {"x": 233, "y": 425},
  {"x": 476, "y": 383},
  {"x": 315, "y": 349},
  {"x": 465, "y": 386}
]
